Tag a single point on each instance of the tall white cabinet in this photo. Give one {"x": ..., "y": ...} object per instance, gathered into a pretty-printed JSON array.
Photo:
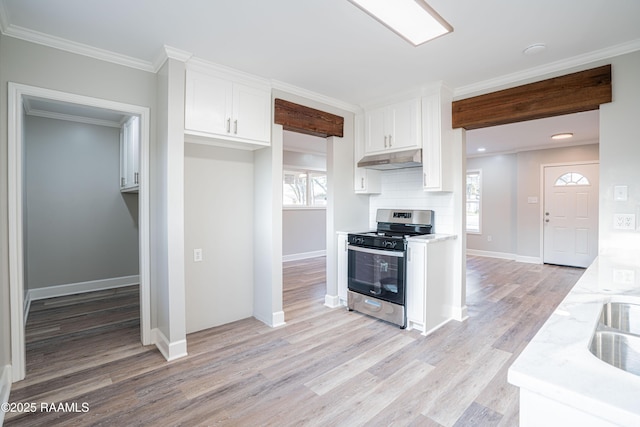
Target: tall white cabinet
[
  {"x": 437, "y": 140},
  {"x": 130, "y": 155}
]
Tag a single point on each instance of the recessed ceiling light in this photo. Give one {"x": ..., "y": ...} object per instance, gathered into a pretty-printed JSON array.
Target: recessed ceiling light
[
  {"x": 482, "y": 149},
  {"x": 534, "y": 49},
  {"x": 413, "y": 20},
  {"x": 565, "y": 135}
]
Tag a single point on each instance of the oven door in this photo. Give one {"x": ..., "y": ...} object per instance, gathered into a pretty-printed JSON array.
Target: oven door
[{"x": 377, "y": 273}]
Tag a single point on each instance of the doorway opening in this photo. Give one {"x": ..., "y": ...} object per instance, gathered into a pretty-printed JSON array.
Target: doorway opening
[
  {"x": 304, "y": 219},
  {"x": 65, "y": 103}
]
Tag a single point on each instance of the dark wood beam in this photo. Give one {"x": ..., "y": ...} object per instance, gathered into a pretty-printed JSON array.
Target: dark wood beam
[
  {"x": 301, "y": 119},
  {"x": 571, "y": 93}
]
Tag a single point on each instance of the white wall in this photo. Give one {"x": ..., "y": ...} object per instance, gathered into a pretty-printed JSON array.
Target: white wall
[
  {"x": 304, "y": 232},
  {"x": 619, "y": 155},
  {"x": 78, "y": 226},
  {"x": 219, "y": 193},
  {"x": 402, "y": 189},
  {"x": 498, "y": 210},
  {"x": 508, "y": 181},
  {"x": 168, "y": 270}
]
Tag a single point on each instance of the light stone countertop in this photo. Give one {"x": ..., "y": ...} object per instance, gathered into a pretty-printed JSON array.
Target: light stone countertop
[
  {"x": 432, "y": 238},
  {"x": 557, "y": 363}
]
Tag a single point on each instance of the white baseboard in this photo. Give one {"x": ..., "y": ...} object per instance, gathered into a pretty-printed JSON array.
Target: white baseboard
[
  {"x": 170, "y": 350},
  {"x": 277, "y": 319},
  {"x": 303, "y": 255},
  {"x": 505, "y": 255},
  {"x": 529, "y": 259},
  {"x": 5, "y": 388},
  {"x": 459, "y": 313},
  {"x": 490, "y": 254},
  {"x": 81, "y": 287},
  {"x": 332, "y": 301}
]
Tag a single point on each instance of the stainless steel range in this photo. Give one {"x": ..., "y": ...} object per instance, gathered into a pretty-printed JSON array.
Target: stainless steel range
[{"x": 377, "y": 263}]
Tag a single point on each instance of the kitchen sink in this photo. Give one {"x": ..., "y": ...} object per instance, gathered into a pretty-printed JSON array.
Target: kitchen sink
[{"x": 616, "y": 339}]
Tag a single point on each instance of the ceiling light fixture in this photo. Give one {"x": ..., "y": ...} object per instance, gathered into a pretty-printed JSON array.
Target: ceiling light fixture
[
  {"x": 564, "y": 135},
  {"x": 482, "y": 150},
  {"x": 535, "y": 49},
  {"x": 413, "y": 20}
]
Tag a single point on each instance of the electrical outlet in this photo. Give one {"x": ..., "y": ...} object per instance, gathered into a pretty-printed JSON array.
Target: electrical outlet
[
  {"x": 624, "y": 221},
  {"x": 489, "y": 238},
  {"x": 197, "y": 255},
  {"x": 623, "y": 277}
]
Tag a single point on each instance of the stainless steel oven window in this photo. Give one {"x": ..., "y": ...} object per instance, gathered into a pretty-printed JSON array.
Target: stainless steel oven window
[{"x": 377, "y": 273}]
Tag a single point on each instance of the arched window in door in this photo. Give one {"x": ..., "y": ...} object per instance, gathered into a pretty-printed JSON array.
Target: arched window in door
[{"x": 572, "y": 178}]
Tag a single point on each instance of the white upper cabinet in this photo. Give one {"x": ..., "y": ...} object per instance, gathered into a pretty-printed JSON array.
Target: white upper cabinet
[
  {"x": 366, "y": 181},
  {"x": 437, "y": 141},
  {"x": 130, "y": 155},
  {"x": 217, "y": 107},
  {"x": 394, "y": 127}
]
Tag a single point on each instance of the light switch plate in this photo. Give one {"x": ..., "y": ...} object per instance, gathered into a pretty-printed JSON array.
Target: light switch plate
[{"x": 620, "y": 193}]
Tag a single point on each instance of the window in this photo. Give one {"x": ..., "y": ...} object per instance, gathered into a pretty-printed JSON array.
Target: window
[
  {"x": 572, "y": 178},
  {"x": 474, "y": 191},
  {"x": 304, "y": 188}
]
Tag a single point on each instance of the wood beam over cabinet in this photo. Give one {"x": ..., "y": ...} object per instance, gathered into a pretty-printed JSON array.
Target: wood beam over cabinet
[
  {"x": 301, "y": 119},
  {"x": 571, "y": 93}
]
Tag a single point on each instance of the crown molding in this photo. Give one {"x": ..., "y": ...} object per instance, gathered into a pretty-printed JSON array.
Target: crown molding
[
  {"x": 544, "y": 70},
  {"x": 169, "y": 52},
  {"x": 77, "y": 48},
  {"x": 314, "y": 96}
]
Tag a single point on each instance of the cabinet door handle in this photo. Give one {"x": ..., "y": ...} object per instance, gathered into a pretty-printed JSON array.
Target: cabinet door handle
[
  {"x": 122, "y": 182},
  {"x": 385, "y": 141},
  {"x": 136, "y": 178},
  {"x": 229, "y": 125},
  {"x": 424, "y": 179},
  {"x": 390, "y": 140},
  {"x": 408, "y": 254},
  {"x": 362, "y": 183},
  {"x": 235, "y": 126}
]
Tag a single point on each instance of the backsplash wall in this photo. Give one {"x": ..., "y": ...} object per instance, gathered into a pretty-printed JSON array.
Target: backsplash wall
[{"x": 402, "y": 189}]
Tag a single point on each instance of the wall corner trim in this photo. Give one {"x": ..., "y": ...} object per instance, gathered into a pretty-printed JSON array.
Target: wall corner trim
[
  {"x": 332, "y": 301},
  {"x": 170, "y": 350},
  {"x": 5, "y": 388}
]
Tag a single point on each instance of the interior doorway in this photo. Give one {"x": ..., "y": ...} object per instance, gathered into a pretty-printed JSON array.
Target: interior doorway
[
  {"x": 570, "y": 229},
  {"x": 18, "y": 95}
]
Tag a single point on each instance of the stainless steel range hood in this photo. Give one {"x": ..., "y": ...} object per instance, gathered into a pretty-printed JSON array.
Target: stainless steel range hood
[{"x": 397, "y": 160}]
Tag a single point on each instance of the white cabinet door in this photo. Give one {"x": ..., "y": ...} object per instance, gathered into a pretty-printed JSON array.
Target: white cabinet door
[
  {"x": 130, "y": 155},
  {"x": 405, "y": 125},
  {"x": 365, "y": 181},
  {"x": 251, "y": 113},
  {"x": 375, "y": 131},
  {"x": 208, "y": 103},
  {"x": 416, "y": 285},
  {"x": 342, "y": 267},
  {"x": 436, "y": 143},
  {"x": 395, "y": 127}
]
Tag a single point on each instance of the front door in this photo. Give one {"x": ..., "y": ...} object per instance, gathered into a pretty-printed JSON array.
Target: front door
[{"x": 570, "y": 214}]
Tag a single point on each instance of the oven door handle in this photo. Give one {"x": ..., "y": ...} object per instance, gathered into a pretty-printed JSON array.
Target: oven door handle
[{"x": 397, "y": 254}]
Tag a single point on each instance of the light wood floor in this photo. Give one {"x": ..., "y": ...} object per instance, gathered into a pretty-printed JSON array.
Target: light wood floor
[{"x": 326, "y": 367}]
